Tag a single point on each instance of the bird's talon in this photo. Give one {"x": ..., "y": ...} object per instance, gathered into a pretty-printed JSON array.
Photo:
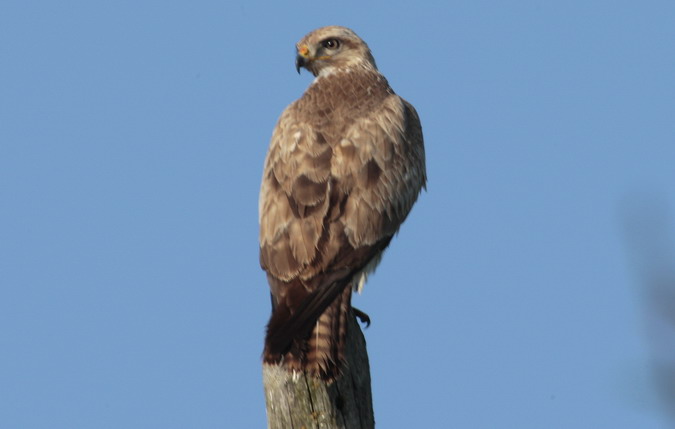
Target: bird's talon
[{"x": 363, "y": 317}]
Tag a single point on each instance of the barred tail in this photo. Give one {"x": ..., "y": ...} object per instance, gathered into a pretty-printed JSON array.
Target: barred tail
[
  {"x": 307, "y": 339},
  {"x": 326, "y": 344}
]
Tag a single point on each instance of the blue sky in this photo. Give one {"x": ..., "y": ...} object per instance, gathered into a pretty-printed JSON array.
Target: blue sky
[{"x": 132, "y": 136}]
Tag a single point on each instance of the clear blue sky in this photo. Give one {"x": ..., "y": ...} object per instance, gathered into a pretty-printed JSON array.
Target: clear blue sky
[{"x": 132, "y": 137}]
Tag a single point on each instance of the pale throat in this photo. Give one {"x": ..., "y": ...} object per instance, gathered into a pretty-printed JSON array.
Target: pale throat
[{"x": 356, "y": 64}]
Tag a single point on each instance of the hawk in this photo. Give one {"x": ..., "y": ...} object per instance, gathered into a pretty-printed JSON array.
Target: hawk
[{"x": 344, "y": 167}]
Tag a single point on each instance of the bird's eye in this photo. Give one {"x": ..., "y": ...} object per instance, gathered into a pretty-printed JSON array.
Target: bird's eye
[{"x": 331, "y": 43}]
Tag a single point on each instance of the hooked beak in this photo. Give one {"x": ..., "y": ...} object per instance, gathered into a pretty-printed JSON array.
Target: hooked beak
[
  {"x": 300, "y": 61},
  {"x": 303, "y": 58}
]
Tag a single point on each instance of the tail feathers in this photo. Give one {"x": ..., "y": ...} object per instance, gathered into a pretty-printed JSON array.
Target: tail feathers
[
  {"x": 288, "y": 325},
  {"x": 326, "y": 344},
  {"x": 313, "y": 336}
]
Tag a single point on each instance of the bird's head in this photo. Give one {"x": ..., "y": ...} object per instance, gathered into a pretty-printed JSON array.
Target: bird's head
[{"x": 329, "y": 49}]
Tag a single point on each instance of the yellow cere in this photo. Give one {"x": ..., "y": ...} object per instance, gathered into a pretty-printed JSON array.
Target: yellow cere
[{"x": 304, "y": 50}]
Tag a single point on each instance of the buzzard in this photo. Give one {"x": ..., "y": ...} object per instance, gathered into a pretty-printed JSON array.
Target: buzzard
[{"x": 344, "y": 167}]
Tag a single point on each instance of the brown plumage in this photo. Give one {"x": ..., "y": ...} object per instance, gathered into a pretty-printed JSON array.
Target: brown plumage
[{"x": 344, "y": 167}]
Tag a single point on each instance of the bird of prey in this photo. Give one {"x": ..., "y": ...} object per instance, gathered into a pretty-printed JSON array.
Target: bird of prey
[{"x": 344, "y": 167}]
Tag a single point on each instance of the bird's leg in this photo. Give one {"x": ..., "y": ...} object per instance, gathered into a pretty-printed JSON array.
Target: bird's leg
[{"x": 363, "y": 317}]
